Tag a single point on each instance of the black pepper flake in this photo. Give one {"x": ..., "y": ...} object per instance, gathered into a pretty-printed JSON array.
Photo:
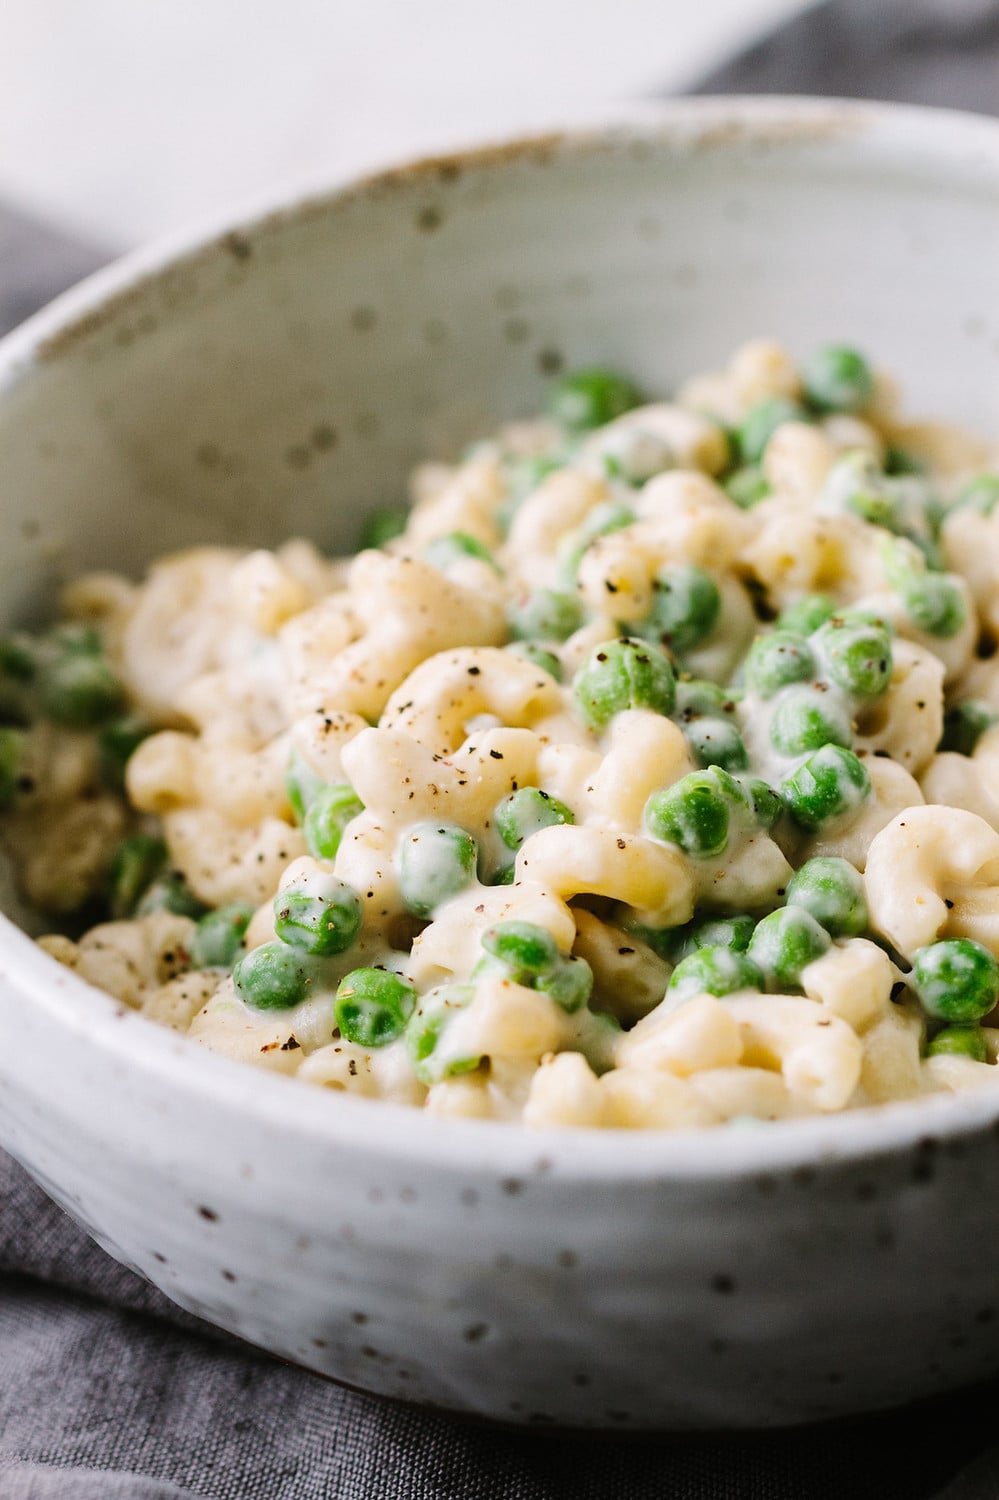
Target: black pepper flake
[
  {"x": 352, "y": 1068},
  {"x": 474, "y": 671},
  {"x": 495, "y": 755},
  {"x": 621, "y": 844},
  {"x": 949, "y": 904},
  {"x": 291, "y": 1045}
]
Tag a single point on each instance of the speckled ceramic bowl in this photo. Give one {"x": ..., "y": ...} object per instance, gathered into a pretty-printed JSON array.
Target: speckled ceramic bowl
[{"x": 281, "y": 377}]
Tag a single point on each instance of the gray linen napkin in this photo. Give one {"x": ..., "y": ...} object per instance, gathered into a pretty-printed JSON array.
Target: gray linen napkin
[{"x": 108, "y": 1392}]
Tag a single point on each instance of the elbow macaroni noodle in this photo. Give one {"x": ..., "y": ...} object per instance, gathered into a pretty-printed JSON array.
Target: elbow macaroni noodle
[{"x": 621, "y": 783}]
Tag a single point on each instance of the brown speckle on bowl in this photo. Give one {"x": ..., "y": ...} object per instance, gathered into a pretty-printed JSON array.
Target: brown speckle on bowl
[
  {"x": 429, "y": 218},
  {"x": 550, "y": 361},
  {"x": 237, "y": 245},
  {"x": 298, "y": 456},
  {"x": 517, "y": 330},
  {"x": 228, "y": 1276},
  {"x": 469, "y": 1197},
  {"x": 363, "y": 319},
  {"x": 360, "y": 1318},
  {"x": 208, "y": 1214},
  {"x": 567, "y": 1259},
  {"x": 324, "y": 437},
  {"x": 723, "y": 1284},
  {"x": 475, "y": 1332}
]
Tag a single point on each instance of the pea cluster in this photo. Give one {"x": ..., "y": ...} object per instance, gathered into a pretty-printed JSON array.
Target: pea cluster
[
  {"x": 64, "y": 677},
  {"x": 719, "y": 955},
  {"x": 773, "y": 748}
]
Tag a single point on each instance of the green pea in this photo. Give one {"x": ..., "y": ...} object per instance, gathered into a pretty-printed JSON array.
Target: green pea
[
  {"x": 545, "y": 614},
  {"x": 965, "y": 723},
  {"x": 838, "y": 379},
  {"x": 218, "y": 938},
  {"x": 436, "y": 861},
  {"x": 777, "y": 659},
  {"x": 330, "y": 810},
  {"x": 785, "y": 943},
  {"x": 831, "y": 783},
  {"x": 590, "y": 398},
  {"x": 766, "y": 803},
  {"x": 671, "y": 943},
  {"x": 623, "y": 674},
  {"x": 301, "y": 783},
  {"x": 805, "y": 719},
  {"x": 525, "y": 812},
  {"x": 135, "y": 864},
  {"x": 170, "y": 892},
  {"x": 694, "y": 813},
  {"x": 373, "y": 1006},
  {"x": 73, "y": 638},
  {"x": 959, "y": 1041},
  {"x": 274, "y": 976},
  {"x": 78, "y": 689},
  {"x": 832, "y": 891},
  {"x": 384, "y": 526},
  {"x": 18, "y": 657},
  {"x": 717, "y": 742},
  {"x": 505, "y": 875},
  {"x": 956, "y": 980},
  {"x": 747, "y": 486},
  {"x": 857, "y": 654},
  {"x": 762, "y": 421},
  {"x": 117, "y": 743},
  {"x": 899, "y": 461},
  {"x": 444, "y": 551},
  {"x": 318, "y": 913},
  {"x": 980, "y": 493},
  {"x": 716, "y": 970},
  {"x": 569, "y": 983},
  {"x": 527, "y": 949},
  {"x": 806, "y": 614},
  {"x": 724, "y": 932},
  {"x": 426, "y": 1028},
  {"x": 698, "y": 698},
  {"x": 539, "y": 656},
  {"x": 856, "y": 484},
  {"x": 935, "y": 602},
  {"x": 12, "y": 748},
  {"x": 686, "y": 603}
]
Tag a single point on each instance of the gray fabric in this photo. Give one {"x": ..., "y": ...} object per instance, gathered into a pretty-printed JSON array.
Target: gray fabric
[
  {"x": 36, "y": 263},
  {"x": 108, "y": 1392},
  {"x": 941, "y": 52}
]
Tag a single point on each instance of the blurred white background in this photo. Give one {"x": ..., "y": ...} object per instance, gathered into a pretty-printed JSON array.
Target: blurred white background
[{"x": 123, "y": 119}]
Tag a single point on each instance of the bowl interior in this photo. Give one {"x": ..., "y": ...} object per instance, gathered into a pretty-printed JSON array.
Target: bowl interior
[{"x": 282, "y": 377}]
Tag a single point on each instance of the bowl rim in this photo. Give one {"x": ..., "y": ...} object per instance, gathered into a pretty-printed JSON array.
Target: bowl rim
[{"x": 952, "y": 138}]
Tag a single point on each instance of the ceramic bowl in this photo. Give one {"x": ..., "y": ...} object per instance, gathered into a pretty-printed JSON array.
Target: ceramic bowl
[{"x": 279, "y": 377}]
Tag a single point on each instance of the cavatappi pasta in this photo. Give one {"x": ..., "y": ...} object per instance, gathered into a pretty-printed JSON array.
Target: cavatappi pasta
[{"x": 644, "y": 773}]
